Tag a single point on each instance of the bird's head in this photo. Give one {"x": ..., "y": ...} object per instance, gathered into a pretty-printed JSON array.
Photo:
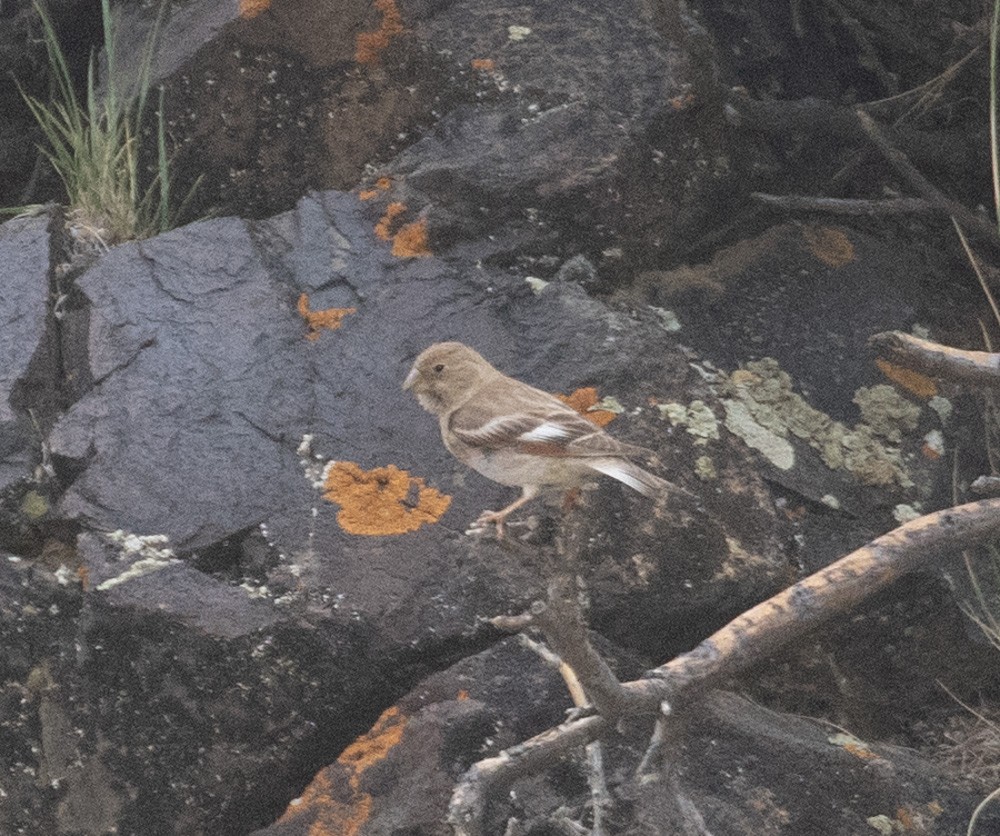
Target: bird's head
[{"x": 445, "y": 375}]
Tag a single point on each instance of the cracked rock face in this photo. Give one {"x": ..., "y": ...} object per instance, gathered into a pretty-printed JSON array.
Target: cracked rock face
[
  {"x": 214, "y": 351},
  {"x": 248, "y": 542},
  {"x": 24, "y": 251}
]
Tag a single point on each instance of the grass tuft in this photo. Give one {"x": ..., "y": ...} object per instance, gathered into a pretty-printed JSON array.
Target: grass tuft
[{"x": 93, "y": 145}]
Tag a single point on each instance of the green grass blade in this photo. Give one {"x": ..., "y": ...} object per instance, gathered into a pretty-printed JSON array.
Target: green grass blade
[{"x": 994, "y": 139}]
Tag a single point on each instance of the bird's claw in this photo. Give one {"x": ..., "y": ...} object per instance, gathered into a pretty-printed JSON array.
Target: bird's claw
[{"x": 485, "y": 520}]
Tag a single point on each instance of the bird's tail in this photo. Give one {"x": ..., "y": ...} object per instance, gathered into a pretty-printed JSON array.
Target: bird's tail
[{"x": 634, "y": 476}]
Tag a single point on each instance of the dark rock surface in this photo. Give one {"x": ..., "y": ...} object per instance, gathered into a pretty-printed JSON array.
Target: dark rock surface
[
  {"x": 255, "y": 540},
  {"x": 746, "y": 769}
]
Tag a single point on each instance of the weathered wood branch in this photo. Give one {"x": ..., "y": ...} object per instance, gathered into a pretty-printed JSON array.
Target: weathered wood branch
[
  {"x": 977, "y": 368},
  {"x": 745, "y": 641},
  {"x": 491, "y": 776},
  {"x": 848, "y": 206}
]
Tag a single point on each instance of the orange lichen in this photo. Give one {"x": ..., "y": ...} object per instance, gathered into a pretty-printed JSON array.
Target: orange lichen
[
  {"x": 829, "y": 245},
  {"x": 918, "y": 384},
  {"x": 583, "y": 400},
  {"x": 369, "y": 45},
  {"x": 385, "y": 500},
  {"x": 381, "y": 185},
  {"x": 383, "y": 229},
  {"x": 859, "y": 750},
  {"x": 335, "y": 816},
  {"x": 462, "y": 695},
  {"x": 252, "y": 8},
  {"x": 930, "y": 453},
  {"x": 483, "y": 65},
  {"x": 331, "y": 318},
  {"x": 411, "y": 240},
  {"x": 905, "y": 818},
  {"x": 682, "y": 102}
]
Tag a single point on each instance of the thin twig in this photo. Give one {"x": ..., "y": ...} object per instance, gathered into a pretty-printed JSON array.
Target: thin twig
[
  {"x": 979, "y": 273},
  {"x": 898, "y": 160}
]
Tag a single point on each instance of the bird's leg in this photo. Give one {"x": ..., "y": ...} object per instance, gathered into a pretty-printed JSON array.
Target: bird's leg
[{"x": 528, "y": 493}]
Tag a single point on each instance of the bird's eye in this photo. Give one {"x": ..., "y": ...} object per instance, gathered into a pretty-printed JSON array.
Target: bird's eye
[{"x": 439, "y": 368}]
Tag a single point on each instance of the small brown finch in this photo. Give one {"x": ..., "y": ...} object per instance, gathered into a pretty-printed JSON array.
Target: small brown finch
[{"x": 515, "y": 434}]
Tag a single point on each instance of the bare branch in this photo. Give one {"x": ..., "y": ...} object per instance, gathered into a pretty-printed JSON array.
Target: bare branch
[
  {"x": 978, "y": 368},
  {"x": 562, "y": 623},
  {"x": 745, "y": 641},
  {"x": 848, "y": 206},
  {"x": 841, "y": 586},
  {"x": 491, "y": 777}
]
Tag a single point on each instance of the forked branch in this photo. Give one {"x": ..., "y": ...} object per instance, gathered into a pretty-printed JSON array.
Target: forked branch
[{"x": 745, "y": 641}]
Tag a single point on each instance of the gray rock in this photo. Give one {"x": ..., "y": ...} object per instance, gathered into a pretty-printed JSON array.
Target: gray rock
[{"x": 24, "y": 252}]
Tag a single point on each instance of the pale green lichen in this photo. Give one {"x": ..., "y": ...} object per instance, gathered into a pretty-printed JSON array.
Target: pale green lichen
[
  {"x": 904, "y": 513},
  {"x": 151, "y": 550},
  {"x": 697, "y": 419},
  {"x": 536, "y": 284},
  {"x": 942, "y": 406},
  {"x": 741, "y": 422},
  {"x": 765, "y": 397},
  {"x": 704, "y": 469},
  {"x": 609, "y": 403},
  {"x": 34, "y": 506},
  {"x": 888, "y": 413}
]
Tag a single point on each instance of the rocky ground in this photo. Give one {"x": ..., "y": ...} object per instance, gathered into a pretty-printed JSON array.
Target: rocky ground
[{"x": 238, "y": 594}]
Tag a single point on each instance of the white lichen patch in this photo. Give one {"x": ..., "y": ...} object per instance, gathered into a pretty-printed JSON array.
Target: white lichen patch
[
  {"x": 934, "y": 444},
  {"x": 738, "y": 559},
  {"x": 763, "y": 396},
  {"x": 313, "y": 466},
  {"x": 150, "y": 549},
  {"x": 146, "y": 546},
  {"x": 536, "y": 284},
  {"x": 668, "y": 320},
  {"x": 145, "y": 566},
  {"x": 697, "y": 419},
  {"x": 830, "y": 501}
]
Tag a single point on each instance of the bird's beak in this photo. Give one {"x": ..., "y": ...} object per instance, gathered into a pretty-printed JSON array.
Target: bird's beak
[{"x": 411, "y": 378}]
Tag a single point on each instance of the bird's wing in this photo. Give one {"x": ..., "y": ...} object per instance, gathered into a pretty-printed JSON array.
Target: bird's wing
[{"x": 543, "y": 427}]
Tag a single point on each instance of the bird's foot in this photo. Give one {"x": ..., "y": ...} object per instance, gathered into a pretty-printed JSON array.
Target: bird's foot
[
  {"x": 492, "y": 520},
  {"x": 486, "y": 519}
]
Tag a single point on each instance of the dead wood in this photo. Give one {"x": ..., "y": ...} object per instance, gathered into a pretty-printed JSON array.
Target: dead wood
[
  {"x": 747, "y": 640},
  {"x": 977, "y": 368},
  {"x": 905, "y": 169},
  {"x": 848, "y": 206}
]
